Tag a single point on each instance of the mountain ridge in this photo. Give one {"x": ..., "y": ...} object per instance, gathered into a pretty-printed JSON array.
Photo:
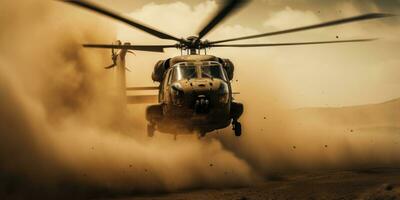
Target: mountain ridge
[{"x": 385, "y": 114}]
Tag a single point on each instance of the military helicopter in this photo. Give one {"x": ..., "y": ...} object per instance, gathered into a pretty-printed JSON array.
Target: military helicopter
[{"x": 195, "y": 93}]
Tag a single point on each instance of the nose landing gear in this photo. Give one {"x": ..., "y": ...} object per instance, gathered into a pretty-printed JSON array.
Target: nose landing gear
[
  {"x": 236, "y": 112},
  {"x": 201, "y": 134},
  {"x": 150, "y": 130},
  {"x": 237, "y": 128}
]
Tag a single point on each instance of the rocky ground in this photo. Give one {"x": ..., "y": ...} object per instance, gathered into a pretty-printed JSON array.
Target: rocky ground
[{"x": 370, "y": 184}]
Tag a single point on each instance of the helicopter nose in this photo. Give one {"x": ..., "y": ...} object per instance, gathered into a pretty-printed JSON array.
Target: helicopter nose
[
  {"x": 201, "y": 104},
  {"x": 202, "y": 85},
  {"x": 202, "y": 94}
]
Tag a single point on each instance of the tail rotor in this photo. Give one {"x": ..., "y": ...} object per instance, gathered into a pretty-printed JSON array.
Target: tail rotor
[{"x": 114, "y": 56}]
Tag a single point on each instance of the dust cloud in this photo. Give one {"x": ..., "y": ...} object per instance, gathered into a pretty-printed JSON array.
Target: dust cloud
[
  {"x": 63, "y": 131},
  {"x": 279, "y": 140}
]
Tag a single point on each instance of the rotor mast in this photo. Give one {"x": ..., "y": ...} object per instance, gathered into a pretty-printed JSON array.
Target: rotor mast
[{"x": 192, "y": 45}]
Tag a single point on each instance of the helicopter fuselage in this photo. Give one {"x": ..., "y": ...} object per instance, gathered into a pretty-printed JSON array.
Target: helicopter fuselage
[{"x": 195, "y": 94}]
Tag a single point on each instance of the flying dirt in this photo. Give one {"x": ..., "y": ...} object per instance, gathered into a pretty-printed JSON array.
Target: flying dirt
[{"x": 64, "y": 135}]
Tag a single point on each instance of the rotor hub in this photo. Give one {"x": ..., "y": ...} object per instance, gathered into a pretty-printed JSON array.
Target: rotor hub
[{"x": 192, "y": 43}]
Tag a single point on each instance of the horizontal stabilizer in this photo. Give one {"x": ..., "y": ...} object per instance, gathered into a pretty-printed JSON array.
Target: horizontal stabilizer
[
  {"x": 142, "y": 99},
  {"x": 142, "y": 88}
]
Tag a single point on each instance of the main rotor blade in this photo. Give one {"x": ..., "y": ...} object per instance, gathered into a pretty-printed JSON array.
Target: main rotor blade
[
  {"x": 116, "y": 16},
  {"x": 290, "y": 44},
  {"x": 320, "y": 25},
  {"x": 151, "y": 48},
  {"x": 227, "y": 8}
]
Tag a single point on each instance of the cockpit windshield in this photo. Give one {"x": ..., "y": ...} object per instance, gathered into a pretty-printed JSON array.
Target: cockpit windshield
[
  {"x": 212, "y": 70},
  {"x": 189, "y": 70},
  {"x": 184, "y": 72}
]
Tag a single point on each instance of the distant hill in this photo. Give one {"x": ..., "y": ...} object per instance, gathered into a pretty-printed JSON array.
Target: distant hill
[{"x": 386, "y": 114}]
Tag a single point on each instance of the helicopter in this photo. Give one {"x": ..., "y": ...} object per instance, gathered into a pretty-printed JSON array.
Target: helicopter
[{"x": 195, "y": 91}]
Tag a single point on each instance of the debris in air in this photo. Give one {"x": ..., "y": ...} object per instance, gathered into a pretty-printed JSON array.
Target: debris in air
[{"x": 389, "y": 187}]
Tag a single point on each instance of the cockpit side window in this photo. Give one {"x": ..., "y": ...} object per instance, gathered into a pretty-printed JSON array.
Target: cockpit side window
[
  {"x": 170, "y": 75},
  {"x": 165, "y": 83}
]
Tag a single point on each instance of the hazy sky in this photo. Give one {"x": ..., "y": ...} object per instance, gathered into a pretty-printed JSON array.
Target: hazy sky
[{"x": 320, "y": 75}]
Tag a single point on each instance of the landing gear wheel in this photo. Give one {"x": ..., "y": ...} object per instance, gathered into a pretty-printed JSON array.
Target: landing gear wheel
[
  {"x": 201, "y": 134},
  {"x": 150, "y": 130},
  {"x": 237, "y": 127}
]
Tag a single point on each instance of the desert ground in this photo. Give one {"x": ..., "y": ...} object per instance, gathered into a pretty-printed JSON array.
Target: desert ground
[
  {"x": 371, "y": 184},
  {"x": 372, "y": 173},
  {"x": 364, "y": 166}
]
